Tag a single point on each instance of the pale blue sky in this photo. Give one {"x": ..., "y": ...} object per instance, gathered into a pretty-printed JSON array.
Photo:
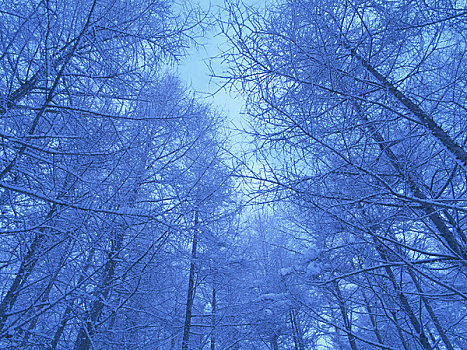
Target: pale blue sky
[{"x": 194, "y": 69}]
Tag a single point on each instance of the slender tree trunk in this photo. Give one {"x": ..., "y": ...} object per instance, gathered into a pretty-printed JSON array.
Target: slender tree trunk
[
  {"x": 428, "y": 209},
  {"x": 399, "y": 331},
  {"x": 84, "y": 339},
  {"x": 432, "y": 314},
  {"x": 66, "y": 315},
  {"x": 31, "y": 258},
  {"x": 456, "y": 151},
  {"x": 417, "y": 326},
  {"x": 25, "y": 269},
  {"x": 213, "y": 319},
  {"x": 372, "y": 319},
  {"x": 191, "y": 288},
  {"x": 88, "y": 328},
  {"x": 347, "y": 322},
  {"x": 274, "y": 344},
  {"x": 429, "y": 309},
  {"x": 45, "y": 295},
  {"x": 297, "y": 333}
]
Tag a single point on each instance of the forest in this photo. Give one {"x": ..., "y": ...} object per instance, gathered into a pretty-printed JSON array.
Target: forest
[{"x": 330, "y": 213}]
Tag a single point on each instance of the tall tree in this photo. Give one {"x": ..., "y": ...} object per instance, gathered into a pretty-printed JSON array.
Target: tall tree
[
  {"x": 91, "y": 136},
  {"x": 357, "y": 112}
]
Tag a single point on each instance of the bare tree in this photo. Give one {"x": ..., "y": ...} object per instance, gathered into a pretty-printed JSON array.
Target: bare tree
[
  {"x": 357, "y": 112},
  {"x": 93, "y": 138}
]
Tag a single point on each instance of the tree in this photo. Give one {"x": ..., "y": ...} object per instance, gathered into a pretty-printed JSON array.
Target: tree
[
  {"x": 357, "y": 111},
  {"x": 94, "y": 135}
]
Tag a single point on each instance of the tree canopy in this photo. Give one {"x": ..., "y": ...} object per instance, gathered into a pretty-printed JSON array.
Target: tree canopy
[{"x": 134, "y": 216}]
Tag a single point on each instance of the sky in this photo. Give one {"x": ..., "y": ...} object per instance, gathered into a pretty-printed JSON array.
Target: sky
[{"x": 195, "y": 72}]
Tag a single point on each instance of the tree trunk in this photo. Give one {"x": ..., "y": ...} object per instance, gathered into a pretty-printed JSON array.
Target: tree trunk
[
  {"x": 399, "y": 331},
  {"x": 274, "y": 345},
  {"x": 431, "y": 312},
  {"x": 213, "y": 319},
  {"x": 347, "y": 322},
  {"x": 25, "y": 269},
  {"x": 372, "y": 319},
  {"x": 417, "y": 190},
  {"x": 297, "y": 333},
  {"x": 84, "y": 338},
  {"x": 45, "y": 295},
  {"x": 456, "y": 151},
  {"x": 418, "y": 327},
  {"x": 65, "y": 317},
  {"x": 191, "y": 288}
]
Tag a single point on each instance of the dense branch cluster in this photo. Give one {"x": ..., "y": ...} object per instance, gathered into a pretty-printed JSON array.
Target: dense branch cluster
[
  {"x": 104, "y": 160},
  {"x": 122, "y": 224},
  {"x": 359, "y": 112}
]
